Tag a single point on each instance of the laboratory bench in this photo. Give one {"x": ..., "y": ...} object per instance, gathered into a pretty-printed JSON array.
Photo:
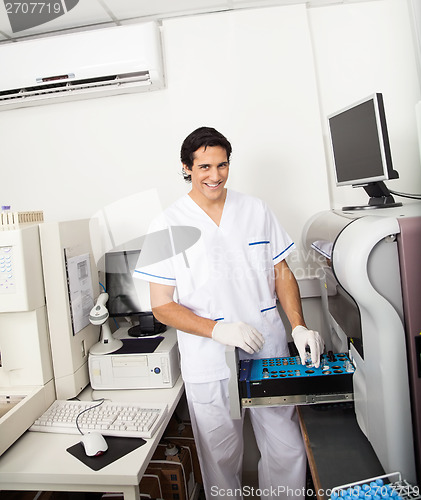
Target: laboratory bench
[
  {"x": 337, "y": 451},
  {"x": 40, "y": 461}
]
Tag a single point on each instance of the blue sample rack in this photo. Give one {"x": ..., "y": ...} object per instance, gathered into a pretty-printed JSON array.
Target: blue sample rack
[{"x": 285, "y": 380}]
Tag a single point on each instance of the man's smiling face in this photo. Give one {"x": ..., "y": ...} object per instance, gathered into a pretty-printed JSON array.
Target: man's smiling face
[{"x": 209, "y": 173}]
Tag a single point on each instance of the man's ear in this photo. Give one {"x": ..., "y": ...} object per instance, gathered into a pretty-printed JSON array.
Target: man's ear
[{"x": 186, "y": 169}]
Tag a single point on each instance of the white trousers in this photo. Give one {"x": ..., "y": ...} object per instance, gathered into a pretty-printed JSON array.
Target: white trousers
[{"x": 219, "y": 441}]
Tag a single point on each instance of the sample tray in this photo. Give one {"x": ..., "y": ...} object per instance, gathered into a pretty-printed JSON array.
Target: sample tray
[{"x": 284, "y": 380}]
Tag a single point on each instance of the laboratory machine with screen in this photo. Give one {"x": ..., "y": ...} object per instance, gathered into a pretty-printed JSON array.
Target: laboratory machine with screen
[{"x": 367, "y": 263}]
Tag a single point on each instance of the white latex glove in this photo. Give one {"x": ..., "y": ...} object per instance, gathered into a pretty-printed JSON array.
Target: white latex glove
[
  {"x": 303, "y": 338},
  {"x": 238, "y": 335}
]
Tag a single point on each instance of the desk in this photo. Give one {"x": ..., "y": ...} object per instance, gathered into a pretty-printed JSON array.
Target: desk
[
  {"x": 338, "y": 452},
  {"x": 39, "y": 461}
]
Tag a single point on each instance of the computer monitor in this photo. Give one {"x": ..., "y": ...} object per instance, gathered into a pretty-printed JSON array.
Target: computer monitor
[
  {"x": 124, "y": 297},
  {"x": 361, "y": 150}
]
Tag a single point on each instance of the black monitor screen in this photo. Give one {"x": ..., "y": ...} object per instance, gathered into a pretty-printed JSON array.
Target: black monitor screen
[
  {"x": 123, "y": 299},
  {"x": 360, "y": 143}
]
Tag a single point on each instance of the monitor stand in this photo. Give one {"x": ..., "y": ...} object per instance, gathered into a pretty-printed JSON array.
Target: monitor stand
[
  {"x": 380, "y": 197},
  {"x": 147, "y": 327}
]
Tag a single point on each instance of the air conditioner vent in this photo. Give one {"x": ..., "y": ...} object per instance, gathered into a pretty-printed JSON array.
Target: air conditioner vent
[{"x": 79, "y": 86}]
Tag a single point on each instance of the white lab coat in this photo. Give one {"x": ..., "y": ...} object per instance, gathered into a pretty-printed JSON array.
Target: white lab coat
[{"x": 227, "y": 275}]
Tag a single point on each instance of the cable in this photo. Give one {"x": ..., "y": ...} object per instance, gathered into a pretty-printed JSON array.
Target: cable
[
  {"x": 87, "y": 409},
  {"x": 407, "y": 195}
]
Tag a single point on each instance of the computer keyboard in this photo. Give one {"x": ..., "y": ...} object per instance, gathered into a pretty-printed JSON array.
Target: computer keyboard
[{"x": 107, "y": 417}]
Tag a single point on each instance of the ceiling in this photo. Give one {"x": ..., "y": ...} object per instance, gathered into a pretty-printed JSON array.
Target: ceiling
[{"x": 89, "y": 14}]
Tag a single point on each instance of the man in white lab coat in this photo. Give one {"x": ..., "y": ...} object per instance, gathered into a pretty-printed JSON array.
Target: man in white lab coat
[{"x": 223, "y": 291}]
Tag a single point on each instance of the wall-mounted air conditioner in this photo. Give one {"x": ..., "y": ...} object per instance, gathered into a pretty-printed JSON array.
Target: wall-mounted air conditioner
[{"x": 81, "y": 65}]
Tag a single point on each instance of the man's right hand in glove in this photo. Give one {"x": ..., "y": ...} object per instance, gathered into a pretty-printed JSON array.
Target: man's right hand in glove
[{"x": 239, "y": 335}]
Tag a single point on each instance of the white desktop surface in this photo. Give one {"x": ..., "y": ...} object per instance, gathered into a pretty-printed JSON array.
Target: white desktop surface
[{"x": 39, "y": 461}]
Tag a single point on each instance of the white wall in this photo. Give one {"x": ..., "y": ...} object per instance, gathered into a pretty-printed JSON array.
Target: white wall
[
  {"x": 250, "y": 74},
  {"x": 264, "y": 77},
  {"x": 361, "y": 49}
]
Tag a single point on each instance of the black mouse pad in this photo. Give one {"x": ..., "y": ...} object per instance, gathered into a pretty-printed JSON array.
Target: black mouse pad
[
  {"x": 117, "y": 448},
  {"x": 138, "y": 345}
]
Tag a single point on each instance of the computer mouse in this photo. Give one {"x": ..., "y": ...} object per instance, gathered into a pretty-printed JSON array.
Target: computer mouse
[{"x": 94, "y": 444}]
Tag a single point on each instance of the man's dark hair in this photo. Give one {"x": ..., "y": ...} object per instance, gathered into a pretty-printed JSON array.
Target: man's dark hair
[{"x": 199, "y": 138}]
